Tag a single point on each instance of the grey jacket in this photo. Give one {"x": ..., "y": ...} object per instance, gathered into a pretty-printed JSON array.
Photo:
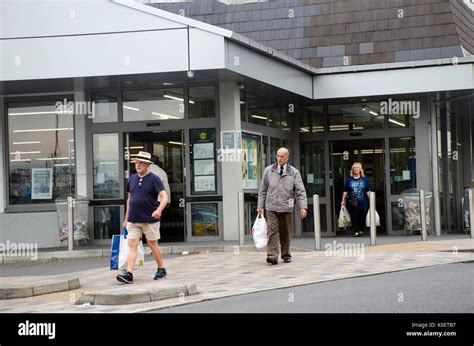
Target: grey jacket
[{"x": 277, "y": 193}]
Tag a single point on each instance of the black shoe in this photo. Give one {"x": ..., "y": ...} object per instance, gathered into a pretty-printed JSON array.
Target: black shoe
[
  {"x": 160, "y": 273},
  {"x": 126, "y": 277},
  {"x": 272, "y": 260},
  {"x": 361, "y": 234},
  {"x": 287, "y": 260}
]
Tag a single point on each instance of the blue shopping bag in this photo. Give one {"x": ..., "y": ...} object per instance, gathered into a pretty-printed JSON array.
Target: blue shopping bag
[{"x": 114, "y": 252}]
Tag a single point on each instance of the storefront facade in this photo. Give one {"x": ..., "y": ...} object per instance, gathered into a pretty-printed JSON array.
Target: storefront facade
[{"x": 191, "y": 109}]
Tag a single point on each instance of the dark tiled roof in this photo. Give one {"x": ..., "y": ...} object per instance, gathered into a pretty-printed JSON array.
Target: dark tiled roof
[{"x": 328, "y": 33}]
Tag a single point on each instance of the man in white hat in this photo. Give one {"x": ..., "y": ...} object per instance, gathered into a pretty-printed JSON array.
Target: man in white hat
[{"x": 143, "y": 215}]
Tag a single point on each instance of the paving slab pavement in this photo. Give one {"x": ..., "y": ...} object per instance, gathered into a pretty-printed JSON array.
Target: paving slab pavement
[{"x": 223, "y": 274}]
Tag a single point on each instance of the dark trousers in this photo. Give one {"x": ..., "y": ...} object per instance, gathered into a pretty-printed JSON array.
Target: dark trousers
[
  {"x": 357, "y": 218},
  {"x": 280, "y": 227}
]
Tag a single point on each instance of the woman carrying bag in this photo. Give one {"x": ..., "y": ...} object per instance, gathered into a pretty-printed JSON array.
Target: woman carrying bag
[{"x": 356, "y": 197}]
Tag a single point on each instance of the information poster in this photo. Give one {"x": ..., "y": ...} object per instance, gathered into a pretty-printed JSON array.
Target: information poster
[
  {"x": 42, "y": 183},
  {"x": 203, "y": 161},
  {"x": 250, "y": 161}
]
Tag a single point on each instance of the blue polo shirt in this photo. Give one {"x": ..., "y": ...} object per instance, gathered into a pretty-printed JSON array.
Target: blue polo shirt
[{"x": 143, "y": 197}]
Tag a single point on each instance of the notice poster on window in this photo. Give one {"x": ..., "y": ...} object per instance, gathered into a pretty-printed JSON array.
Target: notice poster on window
[
  {"x": 204, "y": 151},
  {"x": 42, "y": 183},
  {"x": 250, "y": 161},
  {"x": 204, "y": 183}
]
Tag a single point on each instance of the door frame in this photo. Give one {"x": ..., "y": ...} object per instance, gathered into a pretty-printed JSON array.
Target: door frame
[
  {"x": 385, "y": 187},
  {"x": 385, "y": 134}
]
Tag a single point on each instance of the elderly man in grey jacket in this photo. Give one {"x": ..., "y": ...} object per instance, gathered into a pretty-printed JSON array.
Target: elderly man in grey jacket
[{"x": 280, "y": 185}]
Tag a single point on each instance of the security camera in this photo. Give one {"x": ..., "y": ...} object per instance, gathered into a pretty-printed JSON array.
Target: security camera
[
  {"x": 240, "y": 86},
  {"x": 190, "y": 74}
]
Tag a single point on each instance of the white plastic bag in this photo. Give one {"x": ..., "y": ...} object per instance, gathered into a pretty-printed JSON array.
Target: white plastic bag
[
  {"x": 123, "y": 253},
  {"x": 344, "y": 218},
  {"x": 259, "y": 232},
  {"x": 377, "y": 219}
]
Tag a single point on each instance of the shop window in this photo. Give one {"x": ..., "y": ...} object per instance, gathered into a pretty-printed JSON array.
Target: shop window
[
  {"x": 275, "y": 144},
  {"x": 257, "y": 110},
  {"x": 105, "y": 104},
  {"x": 203, "y": 162},
  {"x": 204, "y": 219},
  {"x": 355, "y": 117},
  {"x": 251, "y": 161},
  {"x": 160, "y": 104},
  {"x": 313, "y": 168},
  {"x": 243, "y": 107},
  {"x": 107, "y": 222},
  {"x": 106, "y": 165},
  {"x": 308, "y": 222},
  {"x": 41, "y": 160},
  {"x": 202, "y": 102},
  {"x": 274, "y": 112},
  {"x": 402, "y": 164}
]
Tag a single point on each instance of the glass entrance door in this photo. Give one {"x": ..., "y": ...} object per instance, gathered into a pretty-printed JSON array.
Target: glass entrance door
[
  {"x": 168, "y": 148},
  {"x": 369, "y": 152}
]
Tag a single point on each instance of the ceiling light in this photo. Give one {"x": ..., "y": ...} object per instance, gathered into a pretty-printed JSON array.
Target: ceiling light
[
  {"x": 258, "y": 117},
  {"x": 32, "y": 142},
  {"x": 43, "y": 130},
  {"x": 396, "y": 122},
  {"x": 25, "y": 152},
  {"x": 176, "y": 98},
  {"x": 131, "y": 108},
  {"x": 165, "y": 115}
]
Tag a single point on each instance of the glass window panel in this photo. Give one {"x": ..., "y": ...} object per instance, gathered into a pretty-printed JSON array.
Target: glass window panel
[
  {"x": 355, "y": 116},
  {"x": 308, "y": 221},
  {"x": 401, "y": 112},
  {"x": 106, "y": 165},
  {"x": 398, "y": 217},
  {"x": 105, "y": 104},
  {"x": 243, "y": 107},
  {"x": 275, "y": 114},
  {"x": 312, "y": 168},
  {"x": 402, "y": 164},
  {"x": 202, "y": 102},
  {"x": 288, "y": 145},
  {"x": 286, "y": 119},
  {"x": 275, "y": 144},
  {"x": 204, "y": 219},
  {"x": 107, "y": 222},
  {"x": 40, "y": 152},
  {"x": 305, "y": 126},
  {"x": 257, "y": 110},
  {"x": 161, "y": 104}
]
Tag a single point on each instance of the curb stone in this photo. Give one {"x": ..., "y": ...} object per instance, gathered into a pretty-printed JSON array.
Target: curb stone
[
  {"x": 39, "y": 289},
  {"x": 142, "y": 295}
]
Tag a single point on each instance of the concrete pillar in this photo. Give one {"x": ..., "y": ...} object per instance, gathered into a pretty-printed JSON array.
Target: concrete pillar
[
  {"x": 80, "y": 143},
  {"x": 422, "y": 144},
  {"x": 229, "y": 117},
  {"x": 3, "y": 192},
  {"x": 296, "y": 160}
]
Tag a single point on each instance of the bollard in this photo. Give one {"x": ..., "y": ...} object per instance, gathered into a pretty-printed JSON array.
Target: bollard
[
  {"x": 373, "y": 226},
  {"x": 317, "y": 223},
  {"x": 70, "y": 223},
  {"x": 241, "y": 219},
  {"x": 423, "y": 215},
  {"x": 470, "y": 194}
]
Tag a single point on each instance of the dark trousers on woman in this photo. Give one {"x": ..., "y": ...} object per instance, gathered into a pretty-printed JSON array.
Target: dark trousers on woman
[{"x": 357, "y": 218}]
